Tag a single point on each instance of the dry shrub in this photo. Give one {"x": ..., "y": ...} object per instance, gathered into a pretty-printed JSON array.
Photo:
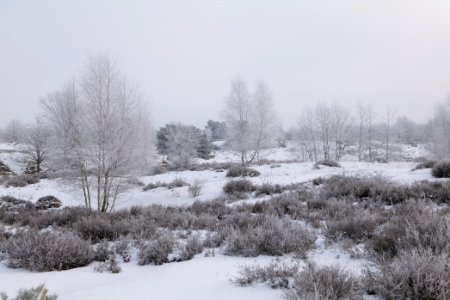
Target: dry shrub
[
  {"x": 276, "y": 274},
  {"x": 413, "y": 274},
  {"x": 157, "y": 251},
  {"x": 236, "y": 187},
  {"x": 325, "y": 283},
  {"x": 47, "y": 251},
  {"x": 248, "y": 235},
  {"x": 241, "y": 171},
  {"x": 193, "y": 246}
]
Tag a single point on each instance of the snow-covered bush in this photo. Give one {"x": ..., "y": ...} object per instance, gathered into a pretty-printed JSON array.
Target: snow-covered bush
[
  {"x": 328, "y": 163},
  {"x": 40, "y": 292},
  {"x": 176, "y": 183},
  {"x": 122, "y": 248},
  {"x": 357, "y": 224},
  {"x": 427, "y": 164},
  {"x": 276, "y": 274},
  {"x": 414, "y": 274},
  {"x": 268, "y": 189},
  {"x": 325, "y": 283},
  {"x": 47, "y": 251},
  {"x": 248, "y": 235},
  {"x": 48, "y": 202},
  {"x": 242, "y": 171},
  {"x": 193, "y": 246},
  {"x": 195, "y": 189},
  {"x": 101, "y": 227},
  {"x": 109, "y": 265},
  {"x": 441, "y": 169},
  {"x": 236, "y": 187},
  {"x": 102, "y": 251},
  {"x": 152, "y": 186},
  {"x": 157, "y": 251},
  {"x": 413, "y": 226},
  {"x": 11, "y": 204}
]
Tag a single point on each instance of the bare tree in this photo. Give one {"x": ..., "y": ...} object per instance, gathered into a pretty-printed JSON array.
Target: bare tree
[
  {"x": 63, "y": 110},
  {"x": 237, "y": 116},
  {"x": 324, "y": 119},
  {"x": 307, "y": 132},
  {"x": 37, "y": 137},
  {"x": 13, "y": 132},
  {"x": 370, "y": 131},
  {"x": 264, "y": 121},
  {"x": 341, "y": 128},
  {"x": 107, "y": 128},
  {"x": 388, "y": 130},
  {"x": 441, "y": 129}
]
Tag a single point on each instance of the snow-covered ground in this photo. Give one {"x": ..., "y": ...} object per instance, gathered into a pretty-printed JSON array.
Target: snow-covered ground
[
  {"x": 67, "y": 190},
  {"x": 200, "y": 278}
]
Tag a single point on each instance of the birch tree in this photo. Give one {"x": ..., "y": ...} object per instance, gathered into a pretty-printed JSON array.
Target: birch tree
[
  {"x": 107, "y": 128},
  {"x": 264, "y": 122},
  {"x": 237, "y": 116}
]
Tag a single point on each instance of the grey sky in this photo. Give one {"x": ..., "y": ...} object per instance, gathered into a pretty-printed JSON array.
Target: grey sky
[{"x": 182, "y": 54}]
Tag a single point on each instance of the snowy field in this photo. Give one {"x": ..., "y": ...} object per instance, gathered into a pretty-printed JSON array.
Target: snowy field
[{"x": 202, "y": 277}]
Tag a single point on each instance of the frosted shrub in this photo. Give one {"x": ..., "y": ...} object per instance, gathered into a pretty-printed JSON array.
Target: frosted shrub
[
  {"x": 195, "y": 189},
  {"x": 47, "y": 251},
  {"x": 276, "y": 274},
  {"x": 414, "y": 274},
  {"x": 40, "y": 292},
  {"x": 266, "y": 235},
  {"x": 156, "y": 252},
  {"x": 325, "y": 283}
]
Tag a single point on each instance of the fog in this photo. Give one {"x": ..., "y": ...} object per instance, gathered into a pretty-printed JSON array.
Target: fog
[{"x": 183, "y": 54}]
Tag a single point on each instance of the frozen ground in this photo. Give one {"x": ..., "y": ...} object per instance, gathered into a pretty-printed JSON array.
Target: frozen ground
[{"x": 202, "y": 277}]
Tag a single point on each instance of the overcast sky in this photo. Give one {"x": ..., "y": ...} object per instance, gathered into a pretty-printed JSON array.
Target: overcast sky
[{"x": 182, "y": 54}]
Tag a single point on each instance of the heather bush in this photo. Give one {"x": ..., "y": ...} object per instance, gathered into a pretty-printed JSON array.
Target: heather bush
[
  {"x": 249, "y": 235},
  {"x": 38, "y": 293},
  {"x": 414, "y": 226},
  {"x": 102, "y": 251},
  {"x": 328, "y": 163},
  {"x": 377, "y": 188},
  {"x": 268, "y": 189},
  {"x": 11, "y": 204},
  {"x": 241, "y": 171},
  {"x": 325, "y": 283},
  {"x": 428, "y": 164},
  {"x": 122, "y": 249},
  {"x": 413, "y": 274},
  {"x": 109, "y": 265},
  {"x": 157, "y": 251},
  {"x": 193, "y": 246},
  {"x": 177, "y": 182},
  {"x": 276, "y": 274},
  {"x": 25, "y": 179},
  {"x": 240, "y": 186},
  {"x": 100, "y": 227},
  {"x": 48, "y": 202},
  {"x": 195, "y": 189},
  {"x": 152, "y": 186},
  {"x": 47, "y": 251},
  {"x": 441, "y": 169},
  {"x": 135, "y": 181},
  {"x": 358, "y": 225}
]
